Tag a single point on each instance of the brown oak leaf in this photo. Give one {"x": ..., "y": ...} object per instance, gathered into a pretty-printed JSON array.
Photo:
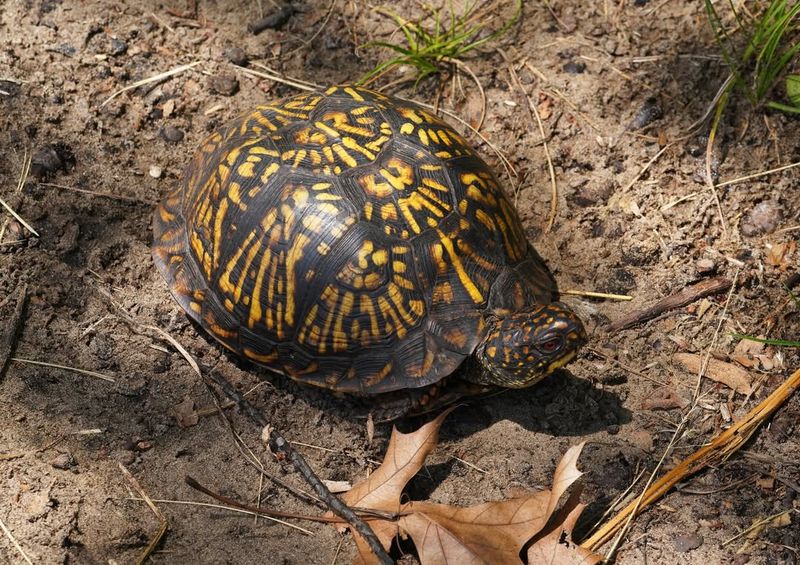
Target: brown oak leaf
[{"x": 492, "y": 532}]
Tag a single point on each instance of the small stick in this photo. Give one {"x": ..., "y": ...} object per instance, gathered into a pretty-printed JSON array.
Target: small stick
[
  {"x": 681, "y": 298},
  {"x": 13, "y": 540},
  {"x": 100, "y": 376},
  {"x": 163, "y": 524},
  {"x": 274, "y": 20},
  {"x": 756, "y": 175},
  {"x": 279, "y": 444},
  {"x": 719, "y": 450},
  {"x": 14, "y": 325}
]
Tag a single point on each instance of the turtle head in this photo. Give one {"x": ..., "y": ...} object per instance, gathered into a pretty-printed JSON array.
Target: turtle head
[{"x": 521, "y": 348}]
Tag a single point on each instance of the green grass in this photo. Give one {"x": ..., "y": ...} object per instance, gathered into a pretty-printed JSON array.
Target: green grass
[
  {"x": 764, "y": 65},
  {"x": 446, "y": 39},
  {"x": 778, "y": 342}
]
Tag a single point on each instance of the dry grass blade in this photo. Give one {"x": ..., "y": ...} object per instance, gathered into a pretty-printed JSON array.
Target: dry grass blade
[
  {"x": 163, "y": 524},
  {"x": 98, "y": 193},
  {"x": 94, "y": 374},
  {"x": 155, "y": 78},
  {"x": 18, "y": 217},
  {"x": 720, "y": 449},
  {"x": 756, "y": 175},
  {"x": 16, "y": 544},
  {"x": 533, "y": 112},
  {"x": 592, "y": 294},
  {"x": 647, "y": 166},
  {"x": 269, "y": 74},
  {"x": 758, "y": 524},
  {"x": 225, "y": 507}
]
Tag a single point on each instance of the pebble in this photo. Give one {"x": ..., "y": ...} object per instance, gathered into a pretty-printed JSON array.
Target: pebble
[
  {"x": 118, "y": 47},
  {"x": 235, "y": 55},
  {"x": 705, "y": 267},
  {"x": 63, "y": 461},
  {"x": 172, "y": 134},
  {"x": 155, "y": 171},
  {"x": 763, "y": 218},
  {"x": 574, "y": 68},
  {"x": 49, "y": 159},
  {"x": 688, "y": 542},
  {"x": 227, "y": 85}
]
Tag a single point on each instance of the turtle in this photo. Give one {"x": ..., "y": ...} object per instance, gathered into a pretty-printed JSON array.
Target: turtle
[{"x": 355, "y": 241}]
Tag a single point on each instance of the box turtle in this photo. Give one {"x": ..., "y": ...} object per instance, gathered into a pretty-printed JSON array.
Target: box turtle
[{"x": 354, "y": 241}]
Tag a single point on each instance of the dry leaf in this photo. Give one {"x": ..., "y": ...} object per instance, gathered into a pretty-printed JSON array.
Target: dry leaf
[
  {"x": 726, "y": 373},
  {"x": 780, "y": 253},
  {"x": 663, "y": 399},
  {"x": 185, "y": 414},
  {"x": 493, "y": 532},
  {"x": 557, "y": 547}
]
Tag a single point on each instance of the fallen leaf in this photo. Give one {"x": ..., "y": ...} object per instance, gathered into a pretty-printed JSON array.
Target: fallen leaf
[
  {"x": 728, "y": 374},
  {"x": 492, "y": 532},
  {"x": 779, "y": 255},
  {"x": 185, "y": 414},
  {"x": 557, "y": 547}
]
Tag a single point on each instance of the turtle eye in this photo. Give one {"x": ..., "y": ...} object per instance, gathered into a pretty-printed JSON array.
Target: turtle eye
[{"x": 551, "y": 345}]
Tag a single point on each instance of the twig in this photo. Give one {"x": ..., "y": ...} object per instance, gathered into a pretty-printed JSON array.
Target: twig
[
  {"x": 681, "y": 298},
  {"x": 100, "y": 376},
  {"x": 13, "y": 540},
  {"x": 277, "y": 443},
  {"x": 719, "y": 450},
  {"x": 163, "y": 524},
  {"x": 14, "y": 325},
  {"x": 154, "y": 78}
]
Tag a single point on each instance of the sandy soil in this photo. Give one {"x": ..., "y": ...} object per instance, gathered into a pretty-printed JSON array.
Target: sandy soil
[{"x": 615, "y": 89}]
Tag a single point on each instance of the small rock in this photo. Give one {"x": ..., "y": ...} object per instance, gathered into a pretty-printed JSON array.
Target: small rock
[
  {"x": 574, "y": 68},
  {"x": 172, "y": 134},
  {"x": 63, "y": 461},
  {"x": 235, "y": 55},
  {"x": 227, "y": 85},
  {"x": 648, "y": 113},
  {"x": 155, "y": 171},
  {"x": 705, "y": 267},
  {"x": 763, "y": 218},
  {"x": 118, "y": 47},
  {"x": 688, "y": 542},
  {"x": 51, "y": 158}
]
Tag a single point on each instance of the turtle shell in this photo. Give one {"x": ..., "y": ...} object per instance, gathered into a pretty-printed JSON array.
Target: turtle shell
[{"x": 347, "y": 239}]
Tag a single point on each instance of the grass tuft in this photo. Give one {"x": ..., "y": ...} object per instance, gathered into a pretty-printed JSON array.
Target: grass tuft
[
  {"x": 768, "y": 57},
  {"x": 448, "y": 37}
]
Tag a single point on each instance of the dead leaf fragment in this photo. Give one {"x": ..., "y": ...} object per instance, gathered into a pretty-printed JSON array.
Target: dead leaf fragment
[
  {"x": 728, "y": 374},
  {"x": 337, "y": 487},
  {"x": 663, "y": 399},
  {"x": 185, "y": 414},
  {"x": 557, "y": 547}
]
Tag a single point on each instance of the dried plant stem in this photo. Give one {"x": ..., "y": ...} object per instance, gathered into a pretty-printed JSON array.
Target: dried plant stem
[
  {"x": 154, "y": 78},
  {"x": 756, "y": 175},
  {"x": 720, "y": 449},
  {"x": 100, "y": 376},
  {"x": 163, "y": 524},
  {"x": 14, "y": 542},
  {"x": 591, "y": 294}
]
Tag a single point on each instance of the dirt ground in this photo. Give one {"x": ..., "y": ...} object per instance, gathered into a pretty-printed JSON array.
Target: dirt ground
[{"x": 618, "y": 86}]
